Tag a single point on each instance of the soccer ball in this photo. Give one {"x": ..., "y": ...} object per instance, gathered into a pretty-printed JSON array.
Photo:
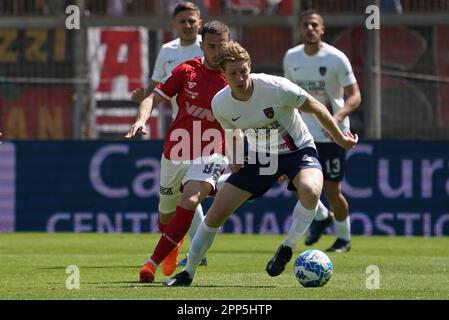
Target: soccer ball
[{"x": 313, "y": 268}]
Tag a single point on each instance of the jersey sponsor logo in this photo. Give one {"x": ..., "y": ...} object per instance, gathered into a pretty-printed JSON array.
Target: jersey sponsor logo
[
  {"x": 269, "y": 113},
  {"x": 323, "y": 71},
  {"x": 296, "y": 68},
  {"x": 235, "y": 119},
  {"x": 193, "y": 95},
  {"x": 166, "y": 191},
  {"x": 199, "y": 112},
  {"x": 191, "y": 84}
]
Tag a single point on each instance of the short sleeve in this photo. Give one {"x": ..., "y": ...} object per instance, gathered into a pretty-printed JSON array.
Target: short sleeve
[
  {"x": 173, "y": 83},
  {"x": 218, "y": 116},
  {"x": 345, "y": 74},
  {"x": 290, "y": 94},
  {"x": 287, "y": 71},
  {"x": 158, "y": 72}
]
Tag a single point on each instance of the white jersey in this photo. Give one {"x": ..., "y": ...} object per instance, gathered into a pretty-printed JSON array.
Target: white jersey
[
  {"x": 273, "y": 106},
  {"x": 324, "y": 75},
  {"x": 170, "y": 56}
]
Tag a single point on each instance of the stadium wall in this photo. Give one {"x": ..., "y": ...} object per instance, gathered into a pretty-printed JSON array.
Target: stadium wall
[{"x": 394, "y": 188}]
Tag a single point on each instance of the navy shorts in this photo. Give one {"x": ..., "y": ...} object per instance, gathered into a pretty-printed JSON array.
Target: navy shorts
[
  {"x": 333, "y": 160},
  {"x": 249, "y": 178}
]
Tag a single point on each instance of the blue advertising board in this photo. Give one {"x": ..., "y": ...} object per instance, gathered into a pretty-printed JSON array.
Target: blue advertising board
[{"x": 393, "y": 187}]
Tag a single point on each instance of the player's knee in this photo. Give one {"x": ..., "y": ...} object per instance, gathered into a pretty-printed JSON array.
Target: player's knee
[
  {"x": 309, "y": 196},
  {"x": 334, "y": 196},
  {"x": 213, "y": 220},
  {"x": 190, "y": 202}
]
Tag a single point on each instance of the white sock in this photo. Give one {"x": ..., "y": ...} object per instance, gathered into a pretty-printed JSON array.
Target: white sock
[
  {"x": 222, "y": 180},
  {"x": 322, "y": 212},
  {"x": 343, "y": 229},
  {"x": 301, "y": 220},
  {"x": 197, "y": 218},
  {"x": 202, "y": 241}
]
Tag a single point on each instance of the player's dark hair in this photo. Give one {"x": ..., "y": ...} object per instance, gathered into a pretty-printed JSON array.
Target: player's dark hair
[
  {"x": 186, "y": 6},
  {"x": 214, "y": 27},
  {"x": 310, "y": 12}
]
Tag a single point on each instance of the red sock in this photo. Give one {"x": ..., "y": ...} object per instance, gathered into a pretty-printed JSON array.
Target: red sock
[
  {"x": 161, "y": 225},
  {"x": 173, "y": 233}
]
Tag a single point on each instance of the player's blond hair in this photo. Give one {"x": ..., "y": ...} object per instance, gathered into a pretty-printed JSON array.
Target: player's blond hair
[{"x": 232, "y": 52}]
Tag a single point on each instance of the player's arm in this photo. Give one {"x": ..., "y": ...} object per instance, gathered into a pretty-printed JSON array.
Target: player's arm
[
  {"x": 313, "y": 106},
  {"x": 287, "y": 73},
  {"x": 167, "y": 89},
  {"x": 144, "y": 113},
  {"x": 138, "y": 95},
  {"x": 348, "y": 81},
  {"x": 352, "y": 102},
  {"x": 158, "y": 74}
]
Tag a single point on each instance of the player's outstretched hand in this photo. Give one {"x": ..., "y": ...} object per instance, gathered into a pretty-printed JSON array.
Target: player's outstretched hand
[
  {"x": 138, "y": 127},
  {"x": 138, "y": 95},
  {"x": 349, "y": 140}
]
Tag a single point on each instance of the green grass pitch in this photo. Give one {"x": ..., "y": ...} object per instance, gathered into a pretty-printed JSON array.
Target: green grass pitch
[{"x": 33, "y": 266}]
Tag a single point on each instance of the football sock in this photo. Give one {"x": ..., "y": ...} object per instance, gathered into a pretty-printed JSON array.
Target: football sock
[
  {"x": 202, "y": 241},
  {"x": 343, "y": 229},
  {"x": 152, "y": 262},
  {"x": 161, "y": 225},
  {"x": 173, "y": 233},
  {"x": 197, "y": 218},
  {"x": 301, "y": 220},
  {"x": 222, "y": 180},
  {"x": 322, "y": 212}
]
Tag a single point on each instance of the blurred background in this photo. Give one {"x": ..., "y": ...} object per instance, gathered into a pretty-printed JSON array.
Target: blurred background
[
  {"x": 65, "y": 107},
  {"x": 57, "y": 83}
]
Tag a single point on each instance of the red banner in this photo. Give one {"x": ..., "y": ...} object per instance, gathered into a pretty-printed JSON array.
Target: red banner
[{"x": 36, "y": 113}]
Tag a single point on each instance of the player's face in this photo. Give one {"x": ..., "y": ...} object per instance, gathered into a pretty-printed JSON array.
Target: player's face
[
  {"x": 311, "y": 29},
  {"x": 187, "y": 23},
  {"x": 237, "y": 76},
  {"x": 211, "y": 44}
]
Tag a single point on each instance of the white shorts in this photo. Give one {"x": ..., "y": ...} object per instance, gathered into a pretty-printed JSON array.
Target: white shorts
[{"x": 174, "y": 175}]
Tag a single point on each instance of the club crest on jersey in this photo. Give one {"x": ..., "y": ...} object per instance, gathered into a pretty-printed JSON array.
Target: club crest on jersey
[
  {"x": 269, "y": 113},
  {"x": 323, "y": 70}
]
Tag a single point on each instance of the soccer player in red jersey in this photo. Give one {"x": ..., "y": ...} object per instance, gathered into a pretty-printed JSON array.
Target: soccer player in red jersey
[{"x": 193, "y": 153}]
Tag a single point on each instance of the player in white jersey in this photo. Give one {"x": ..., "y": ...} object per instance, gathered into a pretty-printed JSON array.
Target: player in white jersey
[
  {"x": 186, "y": 22},
  {"x": 326, "y": 73},
  {"x": 255, "y": 103}
]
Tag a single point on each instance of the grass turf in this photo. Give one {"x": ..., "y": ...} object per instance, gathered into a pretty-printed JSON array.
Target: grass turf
[{"x": 33, "y": 265}]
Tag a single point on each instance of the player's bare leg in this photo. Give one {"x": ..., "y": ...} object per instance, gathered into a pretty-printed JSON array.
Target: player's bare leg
[{"x": 220, "y": 183}]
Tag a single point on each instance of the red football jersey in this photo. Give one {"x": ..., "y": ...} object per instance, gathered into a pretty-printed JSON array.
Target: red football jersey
[{"x": 195, "y": 86}]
